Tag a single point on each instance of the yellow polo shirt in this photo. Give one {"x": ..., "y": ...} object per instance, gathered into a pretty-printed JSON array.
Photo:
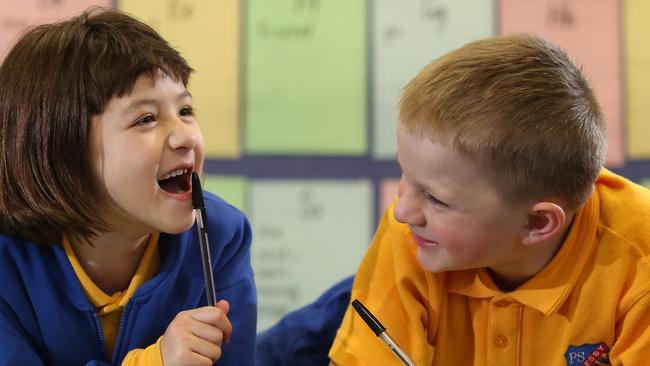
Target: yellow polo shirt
[
  {"x": 109, "y": 307},
  {"x": 590, "y": 305}
]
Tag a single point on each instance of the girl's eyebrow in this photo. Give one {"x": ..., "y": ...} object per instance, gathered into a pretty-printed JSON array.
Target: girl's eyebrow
[
  {"x": 150, "y": 101},
  {"x": 140, "y": 102}
]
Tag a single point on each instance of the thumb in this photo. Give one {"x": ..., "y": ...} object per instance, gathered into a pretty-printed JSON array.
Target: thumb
[{"x": 224, "y": 306}]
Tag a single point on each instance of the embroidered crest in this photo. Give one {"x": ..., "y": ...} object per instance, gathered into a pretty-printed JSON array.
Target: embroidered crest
[{"x": 588, "y": 355}]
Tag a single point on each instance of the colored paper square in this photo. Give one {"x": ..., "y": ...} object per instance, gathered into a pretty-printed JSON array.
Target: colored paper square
[
  {"x": 407, "y": 35},
  {"x": 17, "y": 15},
  {"x": 308, "y": 236},
  {"x": 306, "y": 65},
  {"x": 637, "y": 80},
  {"x": 232, "y": 189},
  {"x": 589, "y": 31},
  {"x": 206, "y": 33}
]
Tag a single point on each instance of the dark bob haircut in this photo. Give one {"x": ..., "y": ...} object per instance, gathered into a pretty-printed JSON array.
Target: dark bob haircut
[{"x": 54, "y": 79}]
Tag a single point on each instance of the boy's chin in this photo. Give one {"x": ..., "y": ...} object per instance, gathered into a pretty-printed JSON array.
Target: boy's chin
[{"x": 433, "y": 265}]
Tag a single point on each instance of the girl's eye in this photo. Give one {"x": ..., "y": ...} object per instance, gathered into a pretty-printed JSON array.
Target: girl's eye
[
  {"x": 146, "y": 119},
  {"x": 435, "y": 201},
  {"x": 187, "y": 111}
]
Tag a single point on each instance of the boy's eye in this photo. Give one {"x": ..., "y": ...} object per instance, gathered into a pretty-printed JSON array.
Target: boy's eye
[
  {"x": 187, "y": 111},
  {"x": 435, "y": 201},
  {"x": 146, "y": 119}
]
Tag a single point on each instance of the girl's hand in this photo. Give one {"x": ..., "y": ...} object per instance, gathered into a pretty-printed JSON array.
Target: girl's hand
[{"x": 195, "y": 336}]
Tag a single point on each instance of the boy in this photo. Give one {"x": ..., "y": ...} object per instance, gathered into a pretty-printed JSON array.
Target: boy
[
  {"x": 99, "y": 262},
  {"x": 509, "y": 243}
]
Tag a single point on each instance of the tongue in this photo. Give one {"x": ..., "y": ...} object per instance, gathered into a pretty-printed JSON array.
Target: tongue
[{"x": 174, "y": 184}]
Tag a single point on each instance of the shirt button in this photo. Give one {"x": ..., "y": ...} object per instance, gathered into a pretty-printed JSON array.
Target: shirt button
[
  {"x": 502, "y": 303},
  {"x": 501, "y": 341}
]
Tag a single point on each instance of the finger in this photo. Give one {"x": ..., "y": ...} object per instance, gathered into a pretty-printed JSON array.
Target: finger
[
  {"x": 216, "y": 317},
  {"x": 225, "y": 307},
  {"x": 180, "y": 353},
  {"x": 207, "y": 314},
  {"x": 204, "y": 348},
  {"x": 207, "y": 332},
  {"x": 223, "y": 323}
]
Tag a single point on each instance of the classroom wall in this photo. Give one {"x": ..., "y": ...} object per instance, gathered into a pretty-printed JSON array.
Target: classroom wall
[{"x": 297, "y": 102}]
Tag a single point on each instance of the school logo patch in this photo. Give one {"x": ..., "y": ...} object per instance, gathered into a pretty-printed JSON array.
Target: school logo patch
[{"x": 588, "y": 355}]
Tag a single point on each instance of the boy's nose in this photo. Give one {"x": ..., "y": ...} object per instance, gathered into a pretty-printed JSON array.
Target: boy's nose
[
  {"x": 183, "y": 136},
  {"x": 408, "y": 209}
]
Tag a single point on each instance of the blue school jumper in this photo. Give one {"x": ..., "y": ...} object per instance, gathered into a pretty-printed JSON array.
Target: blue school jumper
[
  {"x": 45, "y": 318},
  {"x": 304, "y": 336}
]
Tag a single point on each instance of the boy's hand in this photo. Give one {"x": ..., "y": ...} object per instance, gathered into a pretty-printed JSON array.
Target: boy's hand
[{"x": 195, "y": 336}]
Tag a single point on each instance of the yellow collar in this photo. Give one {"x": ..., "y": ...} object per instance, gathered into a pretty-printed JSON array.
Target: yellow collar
[{"x": 105, "y": 303}]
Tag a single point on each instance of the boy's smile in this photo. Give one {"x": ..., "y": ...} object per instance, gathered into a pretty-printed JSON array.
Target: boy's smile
[
  {"x": 422, "y": 242},
  {"x": 145, "y": 146}
]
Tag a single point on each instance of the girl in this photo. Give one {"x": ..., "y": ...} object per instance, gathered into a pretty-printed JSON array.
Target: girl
[{"x": 98, "y": 262}]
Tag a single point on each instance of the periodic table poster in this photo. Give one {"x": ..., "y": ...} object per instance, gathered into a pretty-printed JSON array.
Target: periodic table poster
[{"x": 297, "y": 101}]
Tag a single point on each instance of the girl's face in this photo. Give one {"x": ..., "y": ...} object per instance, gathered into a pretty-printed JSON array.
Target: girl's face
[{"x": 145, "y": 146}]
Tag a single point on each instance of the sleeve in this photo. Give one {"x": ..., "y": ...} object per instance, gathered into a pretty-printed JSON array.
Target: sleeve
[
  {"x": 304, "y": 336},
  {"x": 15, "y": 346},
  {"x": 393, "y": 286},
  {"x": 240, "y": 350},
  {"x": 235, "y": 283},
  {"x": 149, "y": 356},
  {"x": 633, "y": 335}
]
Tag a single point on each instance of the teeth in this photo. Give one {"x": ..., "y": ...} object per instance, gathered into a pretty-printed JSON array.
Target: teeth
[{"x": 173, "y": 174}]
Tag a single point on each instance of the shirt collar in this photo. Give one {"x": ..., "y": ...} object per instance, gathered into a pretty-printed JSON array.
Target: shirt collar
[{"x": 147, "y": 267}]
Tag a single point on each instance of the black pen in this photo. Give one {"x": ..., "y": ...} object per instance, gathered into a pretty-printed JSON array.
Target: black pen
[
  {"x": 380, "y": 331},
  {"x": 199, "y": 206}
]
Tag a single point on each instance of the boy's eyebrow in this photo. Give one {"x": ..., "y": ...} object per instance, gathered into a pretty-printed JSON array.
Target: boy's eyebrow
[
  {"x": 184, "y": 94},
  {"x": 140, "y": 102}
]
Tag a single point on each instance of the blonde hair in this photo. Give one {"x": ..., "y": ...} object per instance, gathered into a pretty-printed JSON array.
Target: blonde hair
[{"x": 519, "y": 106}]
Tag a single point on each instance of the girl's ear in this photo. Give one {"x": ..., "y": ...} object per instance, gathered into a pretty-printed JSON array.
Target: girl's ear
[{"x": 545, "y": 220}]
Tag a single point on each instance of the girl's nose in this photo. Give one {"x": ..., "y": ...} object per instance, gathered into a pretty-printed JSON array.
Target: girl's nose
[
  {"x": 183, "y": 136},
  {"x": 408, "y": 209}
]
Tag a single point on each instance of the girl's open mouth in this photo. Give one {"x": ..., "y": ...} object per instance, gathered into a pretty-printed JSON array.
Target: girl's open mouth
[{"x": 176, "y": 182}]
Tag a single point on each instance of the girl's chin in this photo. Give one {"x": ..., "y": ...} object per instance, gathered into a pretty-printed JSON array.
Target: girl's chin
[{"x": 178, "y": 226}]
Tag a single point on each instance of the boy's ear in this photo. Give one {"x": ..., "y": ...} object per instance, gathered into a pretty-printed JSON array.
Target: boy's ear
[{"x": 545, "y": 220}]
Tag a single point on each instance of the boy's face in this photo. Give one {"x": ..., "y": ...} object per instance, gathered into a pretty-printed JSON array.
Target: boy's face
[
  {"x": 145, "y": 146},
  {"x": 455, "y": 215}
]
